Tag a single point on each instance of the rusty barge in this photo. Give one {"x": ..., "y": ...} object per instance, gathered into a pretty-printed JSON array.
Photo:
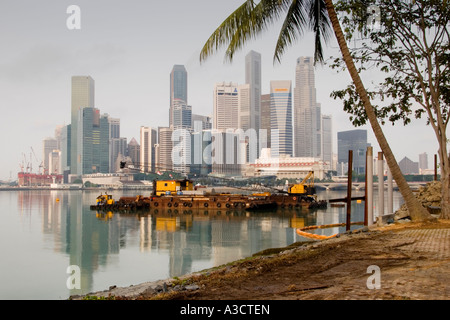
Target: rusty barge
[{"x": 181, "y": 194}]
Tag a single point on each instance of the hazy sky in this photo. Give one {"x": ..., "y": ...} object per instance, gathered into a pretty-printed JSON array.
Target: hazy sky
[{"x": 129, "y": 49}]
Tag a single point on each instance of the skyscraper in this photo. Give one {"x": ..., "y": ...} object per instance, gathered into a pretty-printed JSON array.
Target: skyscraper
[
  {"x": 355, "y": 140},
  {"x": 226, "y": 106},
  {"x": 82, "y": 96},
  {"x": 281, "y": 117},
  {"x": 147, "y": 152},
  {"x": 178, "y": 88},
  {"x": 265, "y": 117},
  {"x": 305, "y": 110},
  {"x": 48, "y": 145},
  {"x": 244, "y": 106},
  {"x": 253, "y": 79},
  {"x": 92, "y": 141},
  {"x": 423, "y": 161},
  {"x": 165, "y": 149}
]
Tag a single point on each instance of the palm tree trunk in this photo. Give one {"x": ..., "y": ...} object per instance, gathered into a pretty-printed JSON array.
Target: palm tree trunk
[{"x": 416, "y": 211}]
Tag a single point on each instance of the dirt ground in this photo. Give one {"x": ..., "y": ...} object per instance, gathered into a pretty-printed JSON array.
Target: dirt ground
[
  {"x": 413, "y": 261},
  {"x": 399, "y": 261}
]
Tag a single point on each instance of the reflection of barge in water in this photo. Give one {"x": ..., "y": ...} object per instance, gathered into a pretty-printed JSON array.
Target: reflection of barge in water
[{"x": 179, "y": 194}]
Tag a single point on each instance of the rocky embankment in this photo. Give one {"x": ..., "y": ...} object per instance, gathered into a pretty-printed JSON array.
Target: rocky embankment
[{"x": 429, "y": 196}]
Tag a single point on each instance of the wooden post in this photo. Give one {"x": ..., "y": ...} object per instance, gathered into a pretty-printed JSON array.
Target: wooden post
[
  {"x": 390, "y": 202},
  {"x": 380, "y": 185},
  {"x": 368, "y": 217},
  {"x": 435, "y": 167},
  {"x": 349, "y": 189}
]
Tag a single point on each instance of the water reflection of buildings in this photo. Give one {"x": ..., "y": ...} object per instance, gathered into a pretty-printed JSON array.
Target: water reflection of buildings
[{"x": 190, "y": 240}]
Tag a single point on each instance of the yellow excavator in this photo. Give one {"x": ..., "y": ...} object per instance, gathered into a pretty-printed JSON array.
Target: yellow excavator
[{"x": 105, "y": 199}]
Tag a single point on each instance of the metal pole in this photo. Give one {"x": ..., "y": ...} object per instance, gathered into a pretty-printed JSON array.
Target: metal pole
[
  {"x": 349, "y": 189},
  {"x": 380, "y": 185},
  {"x": 369, "y": 187},
  {"x": 390, "y": 202}
]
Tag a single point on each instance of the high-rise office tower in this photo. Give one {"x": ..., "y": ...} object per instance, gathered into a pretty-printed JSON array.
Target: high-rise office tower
[
  {"x": 327, "y": 140},
  {"x": 306, "y": 119},
  {"x": 82, "y": 97},
  {"x": 355, "y": 140},
  {"x": 281, "y": 117},
  {"x": 92, "y": 142},
  {"x": 178, "y": 88},
  {"x": 226, "y": 106},
  {"x": 147, "y": 152},
  {"x": 65, "y": 149},
  {"x": 244, "y": 104},
  {"x": 253, "y": 79},
  {"x": 165, "y": 149}
]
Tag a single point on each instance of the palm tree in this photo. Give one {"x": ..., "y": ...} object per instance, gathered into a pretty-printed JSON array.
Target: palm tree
[{"x": 252, "y": 17}]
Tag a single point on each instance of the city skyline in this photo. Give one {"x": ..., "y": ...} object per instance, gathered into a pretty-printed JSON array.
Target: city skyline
[{"x": 124, "y": 50}]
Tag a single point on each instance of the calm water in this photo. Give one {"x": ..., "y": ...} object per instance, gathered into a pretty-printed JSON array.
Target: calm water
[{"x": 42, "y": 233}]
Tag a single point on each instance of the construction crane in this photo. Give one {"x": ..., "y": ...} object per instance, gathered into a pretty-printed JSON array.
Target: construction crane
[{"x": 41, "y": 164}]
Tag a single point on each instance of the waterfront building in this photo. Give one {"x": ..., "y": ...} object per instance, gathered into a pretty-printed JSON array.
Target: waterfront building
[
  {"x": 281, "y": 117},
  {"x": 287, "y": 167}
]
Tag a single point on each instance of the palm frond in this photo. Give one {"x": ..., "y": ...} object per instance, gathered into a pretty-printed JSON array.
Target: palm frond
[
  {"x": 244, "y": 23},
  {"x": 293, "y": 26},
  {"x": 320, "y": 25}
]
